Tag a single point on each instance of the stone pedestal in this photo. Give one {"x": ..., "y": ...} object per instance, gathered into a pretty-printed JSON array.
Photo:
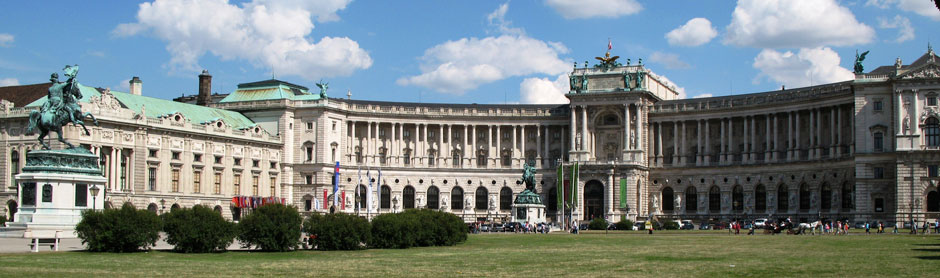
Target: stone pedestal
[
  {"x": 528, "y": 207},
  {"x": 54, "y": 188}
]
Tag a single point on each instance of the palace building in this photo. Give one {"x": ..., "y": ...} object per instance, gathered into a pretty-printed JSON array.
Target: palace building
[{"x": 864, "y": 149}]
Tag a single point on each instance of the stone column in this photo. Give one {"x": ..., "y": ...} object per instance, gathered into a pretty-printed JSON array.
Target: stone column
[
  {"x": 676, "y": 161},
  {"x": 791, "y": 145},
  {"x": 817, "y": 137},
  {"x": 708, "y": 143},
  {"x": 774, "y": 153},
  {"x": 367, "y": 151},
  {"x": 730, "y": 153},
  {"x": 513, "y": 154},
  {"x": 473, "y": 149},
  {"x": 723, "y": 149},
  {"x": 545, "y": 145},
  {"x": 522, "y": 145},
  {"x": 698, "y": 142},
  {"x": 441, "y": 154},
  {"x": 898, "y": 106},
  {"x": 538, "y": 145},
  {"x": 463, "y": 156},
  {"x": 427, "y": 144},
  {"x": 572, "y": 127},
  {"x": 401, "y": 141},
  {"x": 832, "y": 132},
  {"x": 499, "y": 149},
  {"x": 379, "y": 142},
  {"x": 639, "y": 130},
  {"x": 752, "y": 148},
  {"x": 584, "y": 130},
  {"x": 354, "y": 142},
  {"x": 659, "y": 144},
  {"x": 838, "y": 139},
  {"x": 417, "y": 153},
  {"x": 915, "y": 103},
  {"x": 610, "y": 193},
  {"x": 626, "y": 127},
  {"x": 745, "y": 156},
  {"x": 768, "y": 152},
  {"x": 799, "y": 145}
]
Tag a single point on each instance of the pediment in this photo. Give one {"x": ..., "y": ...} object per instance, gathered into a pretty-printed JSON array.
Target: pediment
[{"x": 930, "y": 70}]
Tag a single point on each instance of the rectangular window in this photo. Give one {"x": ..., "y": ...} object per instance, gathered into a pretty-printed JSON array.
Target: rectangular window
[
  {"x": 406, "y": 134},
  {"x": 309, "y": 125},
  {"x": 176, "y": 155},
  {"x": 879, "y": 172},
  {"x": 255, "y": 163},
  {"x": 878, "y": 105},
  {"x": 123, "y": 172},
  {"x": 309, "y": 179},
  {"x": 879, "y": 142},
  {"x": 931, "y": 101},
  {"x": 218, "y": 159},
  {"x": 175, "y": 180},
  {"x": 237, "y": 184},
  {"x": 197, "y": 181},
  {"x": 879, "y": 205},
  {"x": 152, "y": 178},
  {"x": 254, "y": 185},
  {"x": 81, "y": 195},
  {"x": 217, "y": 179},
  {"x": 307, "y": 204},
  {"x": 152, "y": 153},
  {"x": 932, "y": 171},
  {"x": 273, "y": 186},
  {"x": 197, "y": 157},
  {"x": 381, "y": 133},
  {"x": 334, "y": 125},
  {"x": 273, "y": 165},
  {"x": 238, "y": 162},
  {"x": 29, "y": 194}
]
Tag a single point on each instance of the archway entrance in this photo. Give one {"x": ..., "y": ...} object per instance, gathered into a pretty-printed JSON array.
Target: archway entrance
[
  {"x": 593, "y": 200},
  {"x": 11, "y": 207}
]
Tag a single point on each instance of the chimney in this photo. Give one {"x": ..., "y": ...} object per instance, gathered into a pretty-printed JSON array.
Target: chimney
[
  {"x": 136, "y": 86},
  {"x": 205, "y": 89}
]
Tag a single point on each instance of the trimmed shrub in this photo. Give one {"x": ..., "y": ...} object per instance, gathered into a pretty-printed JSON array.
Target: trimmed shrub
[
  {"x": 669, "y": 224},
  {"x": 625, "y": 225},
  {"x": 417, "y": 228},
  {"x": 598, "y": 224},
  {"x": 271, "y": 227},
  {"x": 118, "y": 230},
  {"x": 3, "y": 220},
  {"x": 338, "y": 231},
  {"x": 198, "y": 230}
]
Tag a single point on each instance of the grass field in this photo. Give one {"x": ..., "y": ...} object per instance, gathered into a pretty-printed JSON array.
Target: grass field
[{"x": 665, "y": 254}]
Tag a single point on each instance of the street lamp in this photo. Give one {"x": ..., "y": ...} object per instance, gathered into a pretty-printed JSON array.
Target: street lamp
[
  {"x": 94, "y": 196},
  {"x": 162, "y": 205}
]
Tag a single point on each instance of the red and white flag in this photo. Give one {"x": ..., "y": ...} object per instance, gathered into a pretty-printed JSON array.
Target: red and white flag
[{"x": 609, "y": 45}]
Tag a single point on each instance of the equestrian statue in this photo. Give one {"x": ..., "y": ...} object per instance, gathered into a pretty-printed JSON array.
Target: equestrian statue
[{"x": 60, "y": 109}]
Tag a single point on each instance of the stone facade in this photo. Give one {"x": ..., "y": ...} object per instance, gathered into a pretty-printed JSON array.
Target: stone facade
[{"x": 864, "y": 149}]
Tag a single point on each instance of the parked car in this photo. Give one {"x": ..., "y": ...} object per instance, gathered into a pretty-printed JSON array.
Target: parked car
[
  {"x": 760, "y": 222},
  {"x": 687, "y": 226},
  {"x": 583, "y": 226},
  {"x": 859, "y": 225},
  {"x": 704, "y": 226}
]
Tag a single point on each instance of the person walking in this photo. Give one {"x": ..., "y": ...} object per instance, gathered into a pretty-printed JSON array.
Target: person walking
[
  {"x": 867, "y": 228},
  {"x": 896, "y": 226},
  {"x": 926, "y": 230}
]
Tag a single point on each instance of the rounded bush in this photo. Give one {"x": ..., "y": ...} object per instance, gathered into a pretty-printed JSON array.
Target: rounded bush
[
  {"x": 598, "y": 224},
  {"x": 271, "y": 227},
  {"x": 118, "y": 230},
  {"x": 198, "y": 230},
  {"x": 338, "y": 231},
  {"x": 420, "y": 227},
  {"x": 625, "y": 225},
  {"x": 669, "y": 224}
]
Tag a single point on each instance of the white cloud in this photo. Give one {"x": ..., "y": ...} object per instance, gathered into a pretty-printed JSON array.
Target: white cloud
[
  {"x": 905, "y": 30},
  {"x": 695, "y": 32},
  {"x": 458, "y": 66},
  {"x": 498, "y": 19},
  {"x": 808, "y": 66},
  {"x": 272, "y": 34},
  {"x": 6, "y": 40},
  {"x": 670, "y": 60},
  {"x": 9, "y": 82},
  {"x": 795, "y": 23},
  {"x": 572, "y": 9},
  {"x": 536, "y": 90},
  {"x": 921, "y": 7},
  {"x": 123, "y": 86},
  {"x": 702, "y": 96}
]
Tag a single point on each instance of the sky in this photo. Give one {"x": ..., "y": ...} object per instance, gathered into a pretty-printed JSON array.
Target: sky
[{"x": 448, "y": 51}]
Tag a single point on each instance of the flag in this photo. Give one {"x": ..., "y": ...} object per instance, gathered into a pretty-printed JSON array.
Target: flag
[
  {"x": 609, "y": 45},
  {"x": 368, "y": 196},
  {"x": 335, "y": 183},
  {"x": 623, "y": 193},
  {"x": 560, "y": 188},
  {"x": 342, "y": 205},
  {"x": 574, "y": 184},
  {"x": 378, "y": 185},
  {"x": 325, "y": 198}
]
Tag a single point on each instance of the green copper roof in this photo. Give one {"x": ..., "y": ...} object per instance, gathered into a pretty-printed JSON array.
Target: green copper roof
[
  {"x": 269, "y": 90},
  {"x": 155, "y": 107}
]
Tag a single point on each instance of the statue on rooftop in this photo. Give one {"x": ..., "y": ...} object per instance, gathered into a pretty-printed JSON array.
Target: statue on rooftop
[
  {"x": 60, "y": 109},
  {"x": 323, "y": 87},
  {"x": 859, "y": 69}
]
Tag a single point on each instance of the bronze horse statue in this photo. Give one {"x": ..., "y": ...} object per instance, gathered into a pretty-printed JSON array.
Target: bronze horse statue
[{"x": 60, "y": 109}]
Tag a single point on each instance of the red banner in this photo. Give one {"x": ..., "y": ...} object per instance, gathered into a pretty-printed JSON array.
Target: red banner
[
  {"x": 567, "y": 191},
  {"x": 325, "y": 198},
  {"x": 342, "y": 200}
]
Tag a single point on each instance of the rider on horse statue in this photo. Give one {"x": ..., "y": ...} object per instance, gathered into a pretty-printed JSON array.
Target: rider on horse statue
[{"x": 60, "y": 109}]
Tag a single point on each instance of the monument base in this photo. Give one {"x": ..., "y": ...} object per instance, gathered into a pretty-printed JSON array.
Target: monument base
[
  {"x": 54, "y": 188},
  {"x": 528, "y": 208}
]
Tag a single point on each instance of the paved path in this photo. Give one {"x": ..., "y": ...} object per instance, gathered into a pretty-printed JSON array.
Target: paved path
[{"x": 21, "y": 245}]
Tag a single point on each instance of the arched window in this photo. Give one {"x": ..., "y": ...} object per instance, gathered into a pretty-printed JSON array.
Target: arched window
[
  {"x": 152, "y": 208},
  {"x": 386, "y": 199},
  {"x": 783, "y": 197},
  {"x": 804, "y": 197},
  {"x": 847, "y": 196},
  {"x": 691, "y": 199},
  {"x": 667, "y": 197},
  {"x": 433, "y": 196},
  {"x": 218, "y": 209},
  {"x": 175, "y": 207},
  {"x": 505, "y": 198},
  {"x": 11, "y": 208},
  {"x": 361, "y": 196},
  {"x": 481, "y": 198},
  {"x": 760, "y": 198},
  {"x": 308, "y": 202},
  {"x": 714, "y": 200},
  {"x": 456, "y": 198},
  {"x": 825, "y": 196},
  {"x": 408, "y": 194},
  {"x": 932, "y": 130},
  {"x": 737, "y": 198},
  {"x": 933, "y": 201}
]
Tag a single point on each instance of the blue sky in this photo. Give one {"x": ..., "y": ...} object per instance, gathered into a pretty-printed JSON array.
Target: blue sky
[{"x": 456, "y": 51}]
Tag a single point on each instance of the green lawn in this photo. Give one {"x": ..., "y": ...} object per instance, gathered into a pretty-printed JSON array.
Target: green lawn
[{"x": 665, "y": 254}]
